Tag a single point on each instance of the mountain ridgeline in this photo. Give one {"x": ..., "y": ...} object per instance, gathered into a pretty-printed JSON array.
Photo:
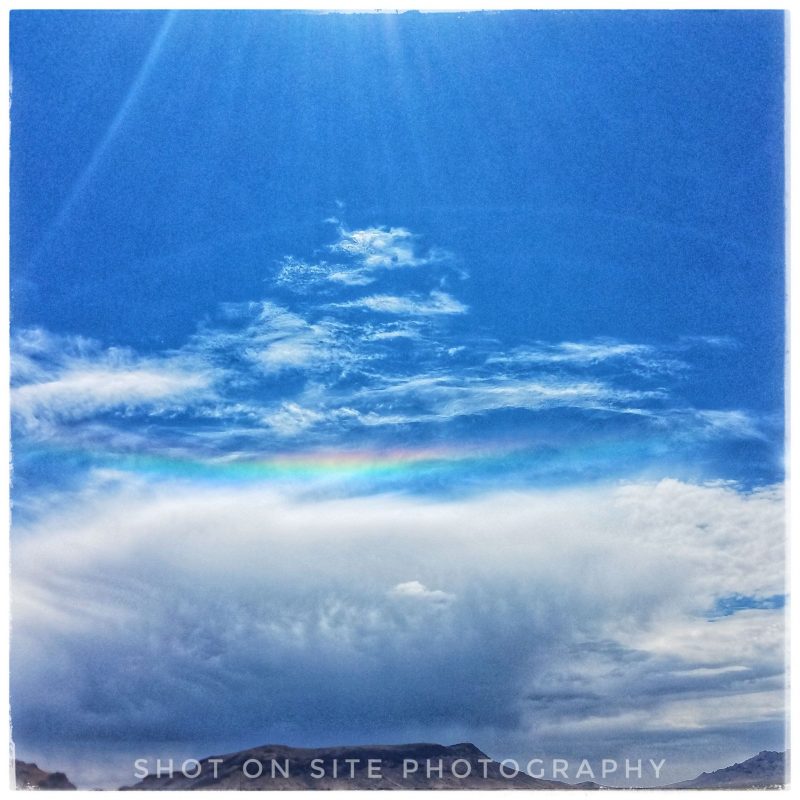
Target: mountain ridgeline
[
  {"x": 402, "y": 766},
  {"x": 29, "y": 776},
  {"x": 406, "y": 766},
  {"x": 767, "y": 770}
]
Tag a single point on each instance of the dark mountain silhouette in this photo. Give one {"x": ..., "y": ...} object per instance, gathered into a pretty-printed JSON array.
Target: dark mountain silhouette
[
  {"x": 767, "y": 770},
  {"x": 393, "y": 767},
  {"x": 29, "y": 776},
  {"x": 306, "y": 763}
]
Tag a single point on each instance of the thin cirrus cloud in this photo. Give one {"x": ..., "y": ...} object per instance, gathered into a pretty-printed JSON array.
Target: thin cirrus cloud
[
  {"x": 641, "y": 357},
  {"x": 271, "y": 338},
  {"x": 452, "y": 396},
  {"x": 292, "y": 419},
  {"x": 73, "y": 378},
  {"x": 362, "y": 253},
  {"x": 265, "y": 340},
  {"x": 349, "y": 376},
  {"x": 301, "y": 372},
  {"x": 80, "y": 393},
  {"x": 436, "y": 303},
  {"x": 385, "y": 248}
]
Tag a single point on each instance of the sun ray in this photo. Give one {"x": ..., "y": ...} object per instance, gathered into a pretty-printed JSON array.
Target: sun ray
[{"x": 83, "y": 180}]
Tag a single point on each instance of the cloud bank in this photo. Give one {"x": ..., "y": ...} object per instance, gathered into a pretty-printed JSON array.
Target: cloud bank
[{"x": 176, "y": 614}]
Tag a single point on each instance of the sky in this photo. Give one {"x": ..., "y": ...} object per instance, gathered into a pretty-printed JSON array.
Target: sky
[{"x": 397, "y": 377}]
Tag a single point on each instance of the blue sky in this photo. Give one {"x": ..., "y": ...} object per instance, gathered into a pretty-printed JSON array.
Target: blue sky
[{"x": 415, "y": 265}]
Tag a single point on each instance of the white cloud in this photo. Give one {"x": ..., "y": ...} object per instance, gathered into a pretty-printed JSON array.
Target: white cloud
[
  {"x": 384, "y": 248},
  {"x": 80, "y": 393},
  {"x": 415, "y": 590},
  {"x": 301, "y": 275},
  {"x": 727, "y": 342},
  {"x": 291, "y": 419},
  {"x": 640, "y": 357},
  {"x": 480, "y": 396},
  {"x": 447, "y": 396},
  {"x": 733, "y": 422},
  {"x": 578, "y": 614},
  {"x": 573, "y": 352},
  {"x": 365, "y": 252},
  {"x": 292, "y": 351},
  {"x": 414, "y": 305},
  {"x": 397, "y": 363},
  {"x": 273, "y": 338},
  {"x": 345, "y": 374},
  {"x": 70, "y": 378},
  {"x": 350, "y": 277},
  {"x": 393, "y": 330}
]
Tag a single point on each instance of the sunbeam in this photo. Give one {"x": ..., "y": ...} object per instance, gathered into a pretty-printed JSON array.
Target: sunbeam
[{"x": 83, "y": 180}]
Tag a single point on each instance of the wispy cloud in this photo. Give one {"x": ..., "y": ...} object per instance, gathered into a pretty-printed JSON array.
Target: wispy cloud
[
  {"x": 291, "y": 419},
  {"x": 304, "y": 372},
  {"x": 79, "y": 393},
  {"x": 362, "y": 254},
  {"x": 447, "y": 396},
  {"x": 273, "y": 338},
  {"x": 574, "y": 352},
  {"x": 302, "y": 275},
  {"x": 62, "y": 378},
  {"x": 736, "y": 423},
  {"x": 385, "y": 248},
  {"x": 392, "y": 330},
  {"x": 592, "y": 353},
  {"x": 436, "y": 303}
]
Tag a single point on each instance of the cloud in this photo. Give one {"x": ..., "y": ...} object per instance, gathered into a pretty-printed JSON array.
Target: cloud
[
  {"x": 364, "y": 253},
  {"x": 385, "y": 248},
  {"x": 291, "y": 419},
  {"x": 736, "y": 423},
  {"x": 272, "y": 338},
  {"x": 417, "y": 591},
  {"x": 58, "y": 378},
  {"x": 449, "y": 396},
  {"x": 259, "y": 376},
  {"x": 176, "y": 614},
  {"x": 331, "y": 367},
  {"x": 727, "y": 342},
  {"x": 641, "y": 357},
  {"x": 414, "y": 305},
  {"x": 575, "y": 352},
  {"x": 393, "y": 330},
  {"x": 301, "y": 275},
  {"x": 80, "y": 393}
]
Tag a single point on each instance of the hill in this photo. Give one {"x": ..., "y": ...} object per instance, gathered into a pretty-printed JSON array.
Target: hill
[
  {"x": 405, "y": 766},
  {"x": 767, "y": 770}
]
